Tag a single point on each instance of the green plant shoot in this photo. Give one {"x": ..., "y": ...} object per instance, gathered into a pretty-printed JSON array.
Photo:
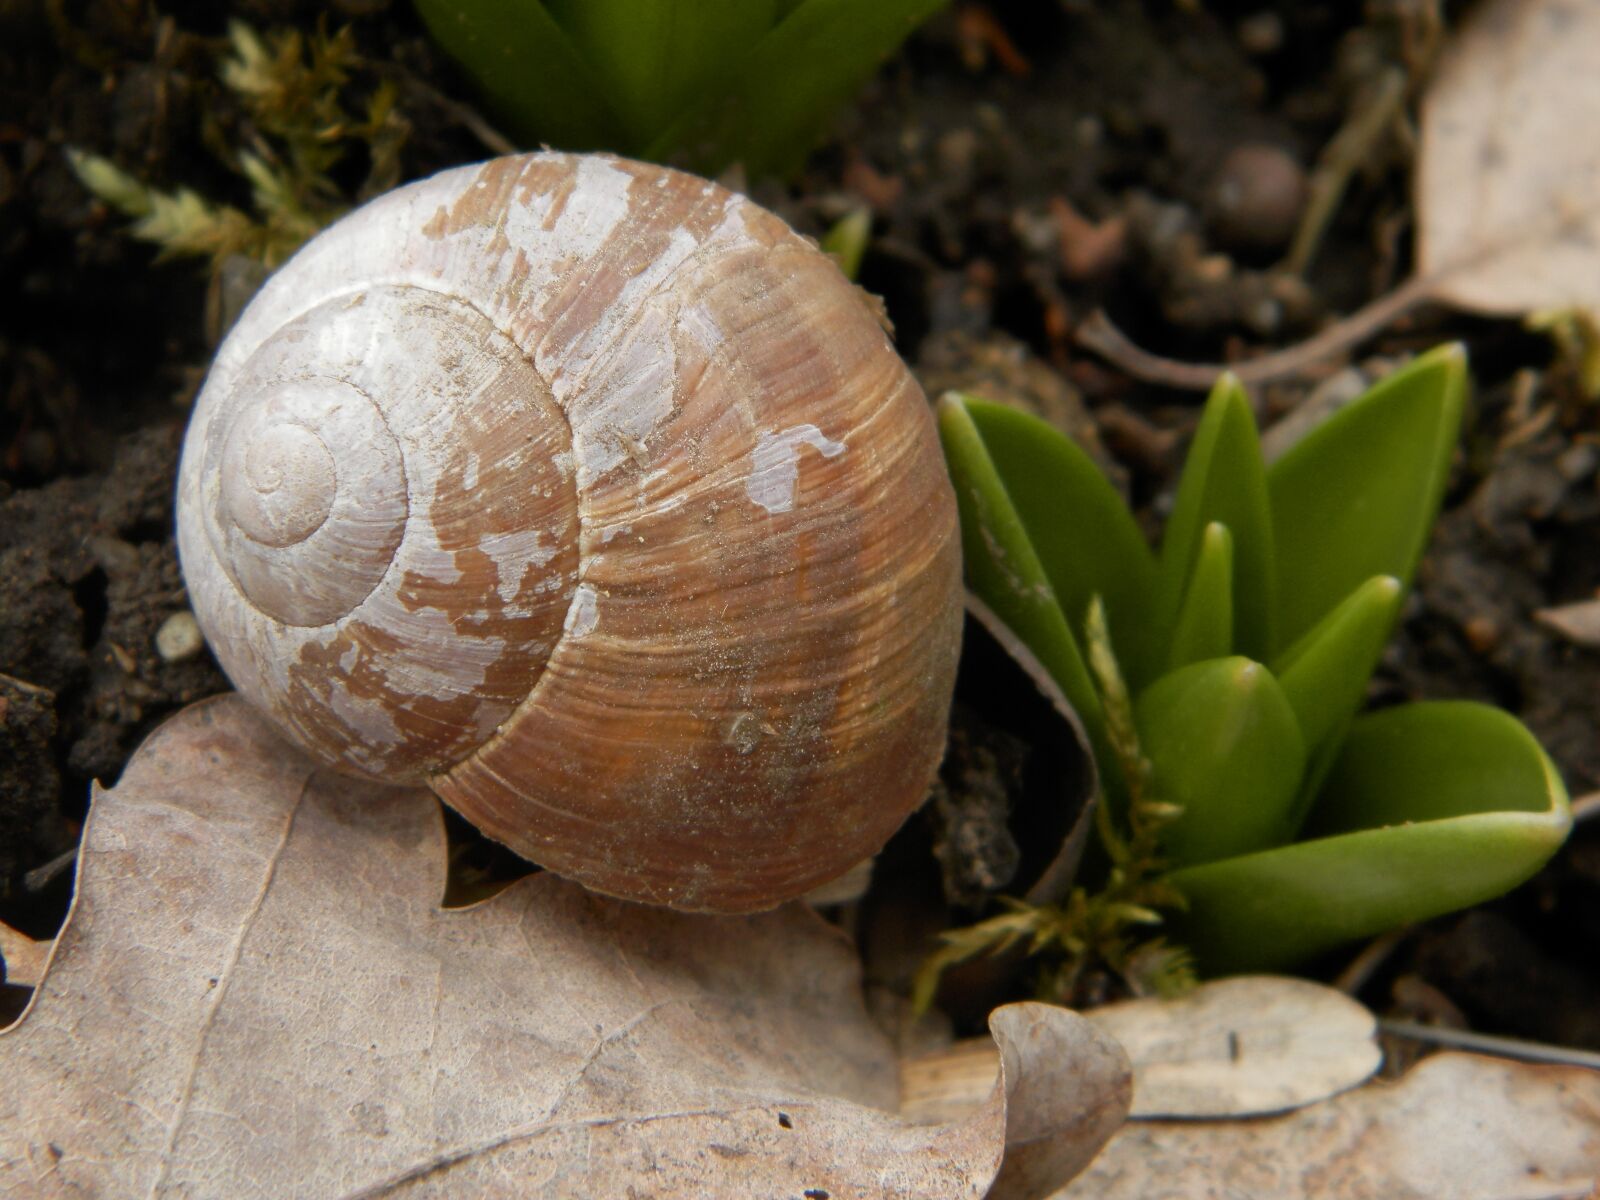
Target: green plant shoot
[
  {"x": 706, "y": 83},
  {"x": 1247, "y": 644}
]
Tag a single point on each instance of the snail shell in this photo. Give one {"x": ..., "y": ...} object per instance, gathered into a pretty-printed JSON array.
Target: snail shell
[{"x": 591, "y": 495}]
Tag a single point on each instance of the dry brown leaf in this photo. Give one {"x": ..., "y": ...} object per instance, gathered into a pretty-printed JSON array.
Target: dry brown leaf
[
  {"x": 1244, "y": 1046},
  {"x": 1236, "y": 1047},
  {"x": 24, "y": 958},
  {"x": 258, "y": 995},
  {"x": 1579, "y": 623},
  {"x": 1508, "y": 186},
  {"x": 1458, "y": 1126}
]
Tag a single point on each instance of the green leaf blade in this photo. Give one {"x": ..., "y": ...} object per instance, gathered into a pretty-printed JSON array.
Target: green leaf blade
[
  {"x": 1432, "y": 760},
  {"x": 1223, "y": 744},
  {"x": 530, "y": 71},
  {"x": 1434, "y": 807},
  {"x": 1325, "y": 674},
  {"x": 657, "y": 57},
  {"x": 1357, "y": 496},
  {"x": 846, "y": 240},
  {"x": 1224, "y": 481},
  {"x": 1001, "y": 564},
  {"x": 778, "y": 101},
  {"x": 1087, "y": 542},
  {"x": 1205, "y": 620}
]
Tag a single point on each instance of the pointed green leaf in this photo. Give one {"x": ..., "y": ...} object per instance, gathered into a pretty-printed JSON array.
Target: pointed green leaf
[
  {"x": 1001, "y": 564},
  {"x": 1430, "y": 808},
  {"x": 1357, "y": 496},
  {"x": 786, "y": 88},
  {"x": 1325, "y": 673},
  {"x": 1205, "y": 621},
  {"x": 1087, "y": 541},
  {"x": 847, "y": 240},
  {"x": 657, "y": 57},
  {"x": 1223, "y": 480},
  {"x": 535, "y": 79},
  {"x": 1223, "y": 744},
  {"x": 1431, "y": 761}
]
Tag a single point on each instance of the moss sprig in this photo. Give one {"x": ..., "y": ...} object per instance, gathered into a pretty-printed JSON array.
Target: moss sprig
[
  {"x": 302, "y": 123},
  {"x": 1107, "y": 929}
]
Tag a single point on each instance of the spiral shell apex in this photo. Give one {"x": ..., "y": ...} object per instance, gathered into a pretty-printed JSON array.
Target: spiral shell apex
[{"x": 591, "y": 495}]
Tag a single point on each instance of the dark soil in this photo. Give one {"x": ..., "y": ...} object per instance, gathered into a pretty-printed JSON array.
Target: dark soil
[{"x": 1025, "y": 163}]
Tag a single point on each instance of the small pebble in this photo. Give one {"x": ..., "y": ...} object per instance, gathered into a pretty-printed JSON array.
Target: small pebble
[
  {"x": 1214, "y": 268},
  {"x": 179, "y": 637},
  {"x": 1264, "y": 316},
  {"x": 957, "y": 151},
  {"x": 1262, "y": 33},
  {"x": 1256, "y": 197},
  {"x": 1482, "y": 634},
  {"x": 1578, "y": 461}
]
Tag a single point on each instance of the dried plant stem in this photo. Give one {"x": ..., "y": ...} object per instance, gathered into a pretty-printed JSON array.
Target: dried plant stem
[
  {"x": 1585, "y": 807},
  {"x": 1372, "y": 117},
  {"x": 1099, "y": 335},
  {"x": 1483, "y": 1043}
]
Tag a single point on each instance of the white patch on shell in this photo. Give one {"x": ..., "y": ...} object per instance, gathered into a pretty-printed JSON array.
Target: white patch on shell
[
  {"x": 376, "y": 729},
  {"x": 584, "y": 228},
  {"x": 583, "y": 616},
  {"x": 699, "y": 326},
  {"x": 512, "y": 554},
  {"x": 775, "y": 465},
  {"x": 618, "y": 385}
]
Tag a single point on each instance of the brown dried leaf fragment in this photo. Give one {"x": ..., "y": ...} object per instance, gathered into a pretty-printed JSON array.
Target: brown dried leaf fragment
[
  {"x": 1579, "y": 623},
  {"x": 1245, "y": 1046},
  {"x": 24, "y": 958},
  {"x": 1508, "y": 185},
  {"x": 1458, "y": 1125},
  {"x": 257, "y": 994}
]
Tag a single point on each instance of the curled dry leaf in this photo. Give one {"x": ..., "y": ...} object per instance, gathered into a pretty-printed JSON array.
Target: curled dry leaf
[
  {"x": 1458, "y": 1125},
  {"x": 942, "y": 1085},
  {"x": 1508, "y": 186},
  {"x": 1244, "y": 1046},
  {"x": 1080, "y": 788},
  {"x": 257, "y": 995}
]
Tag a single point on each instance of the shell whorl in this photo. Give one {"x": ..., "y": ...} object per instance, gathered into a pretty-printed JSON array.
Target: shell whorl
[
  {"x": 398, "y": 531},
  {"x": 589, "y": 493}
]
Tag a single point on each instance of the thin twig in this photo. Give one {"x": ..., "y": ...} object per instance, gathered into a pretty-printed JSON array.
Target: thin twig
[
  {"x": 1484, "y": 1043},
  {"x": 1105, "y": 339},
  {"x": 1372, "y": 956},
  {"x": 463, "y": 114},
  {"x": 1585, "y": 806},
  {"x": 1342, "y": 157},
  {"x": 41, "y": 877}
]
